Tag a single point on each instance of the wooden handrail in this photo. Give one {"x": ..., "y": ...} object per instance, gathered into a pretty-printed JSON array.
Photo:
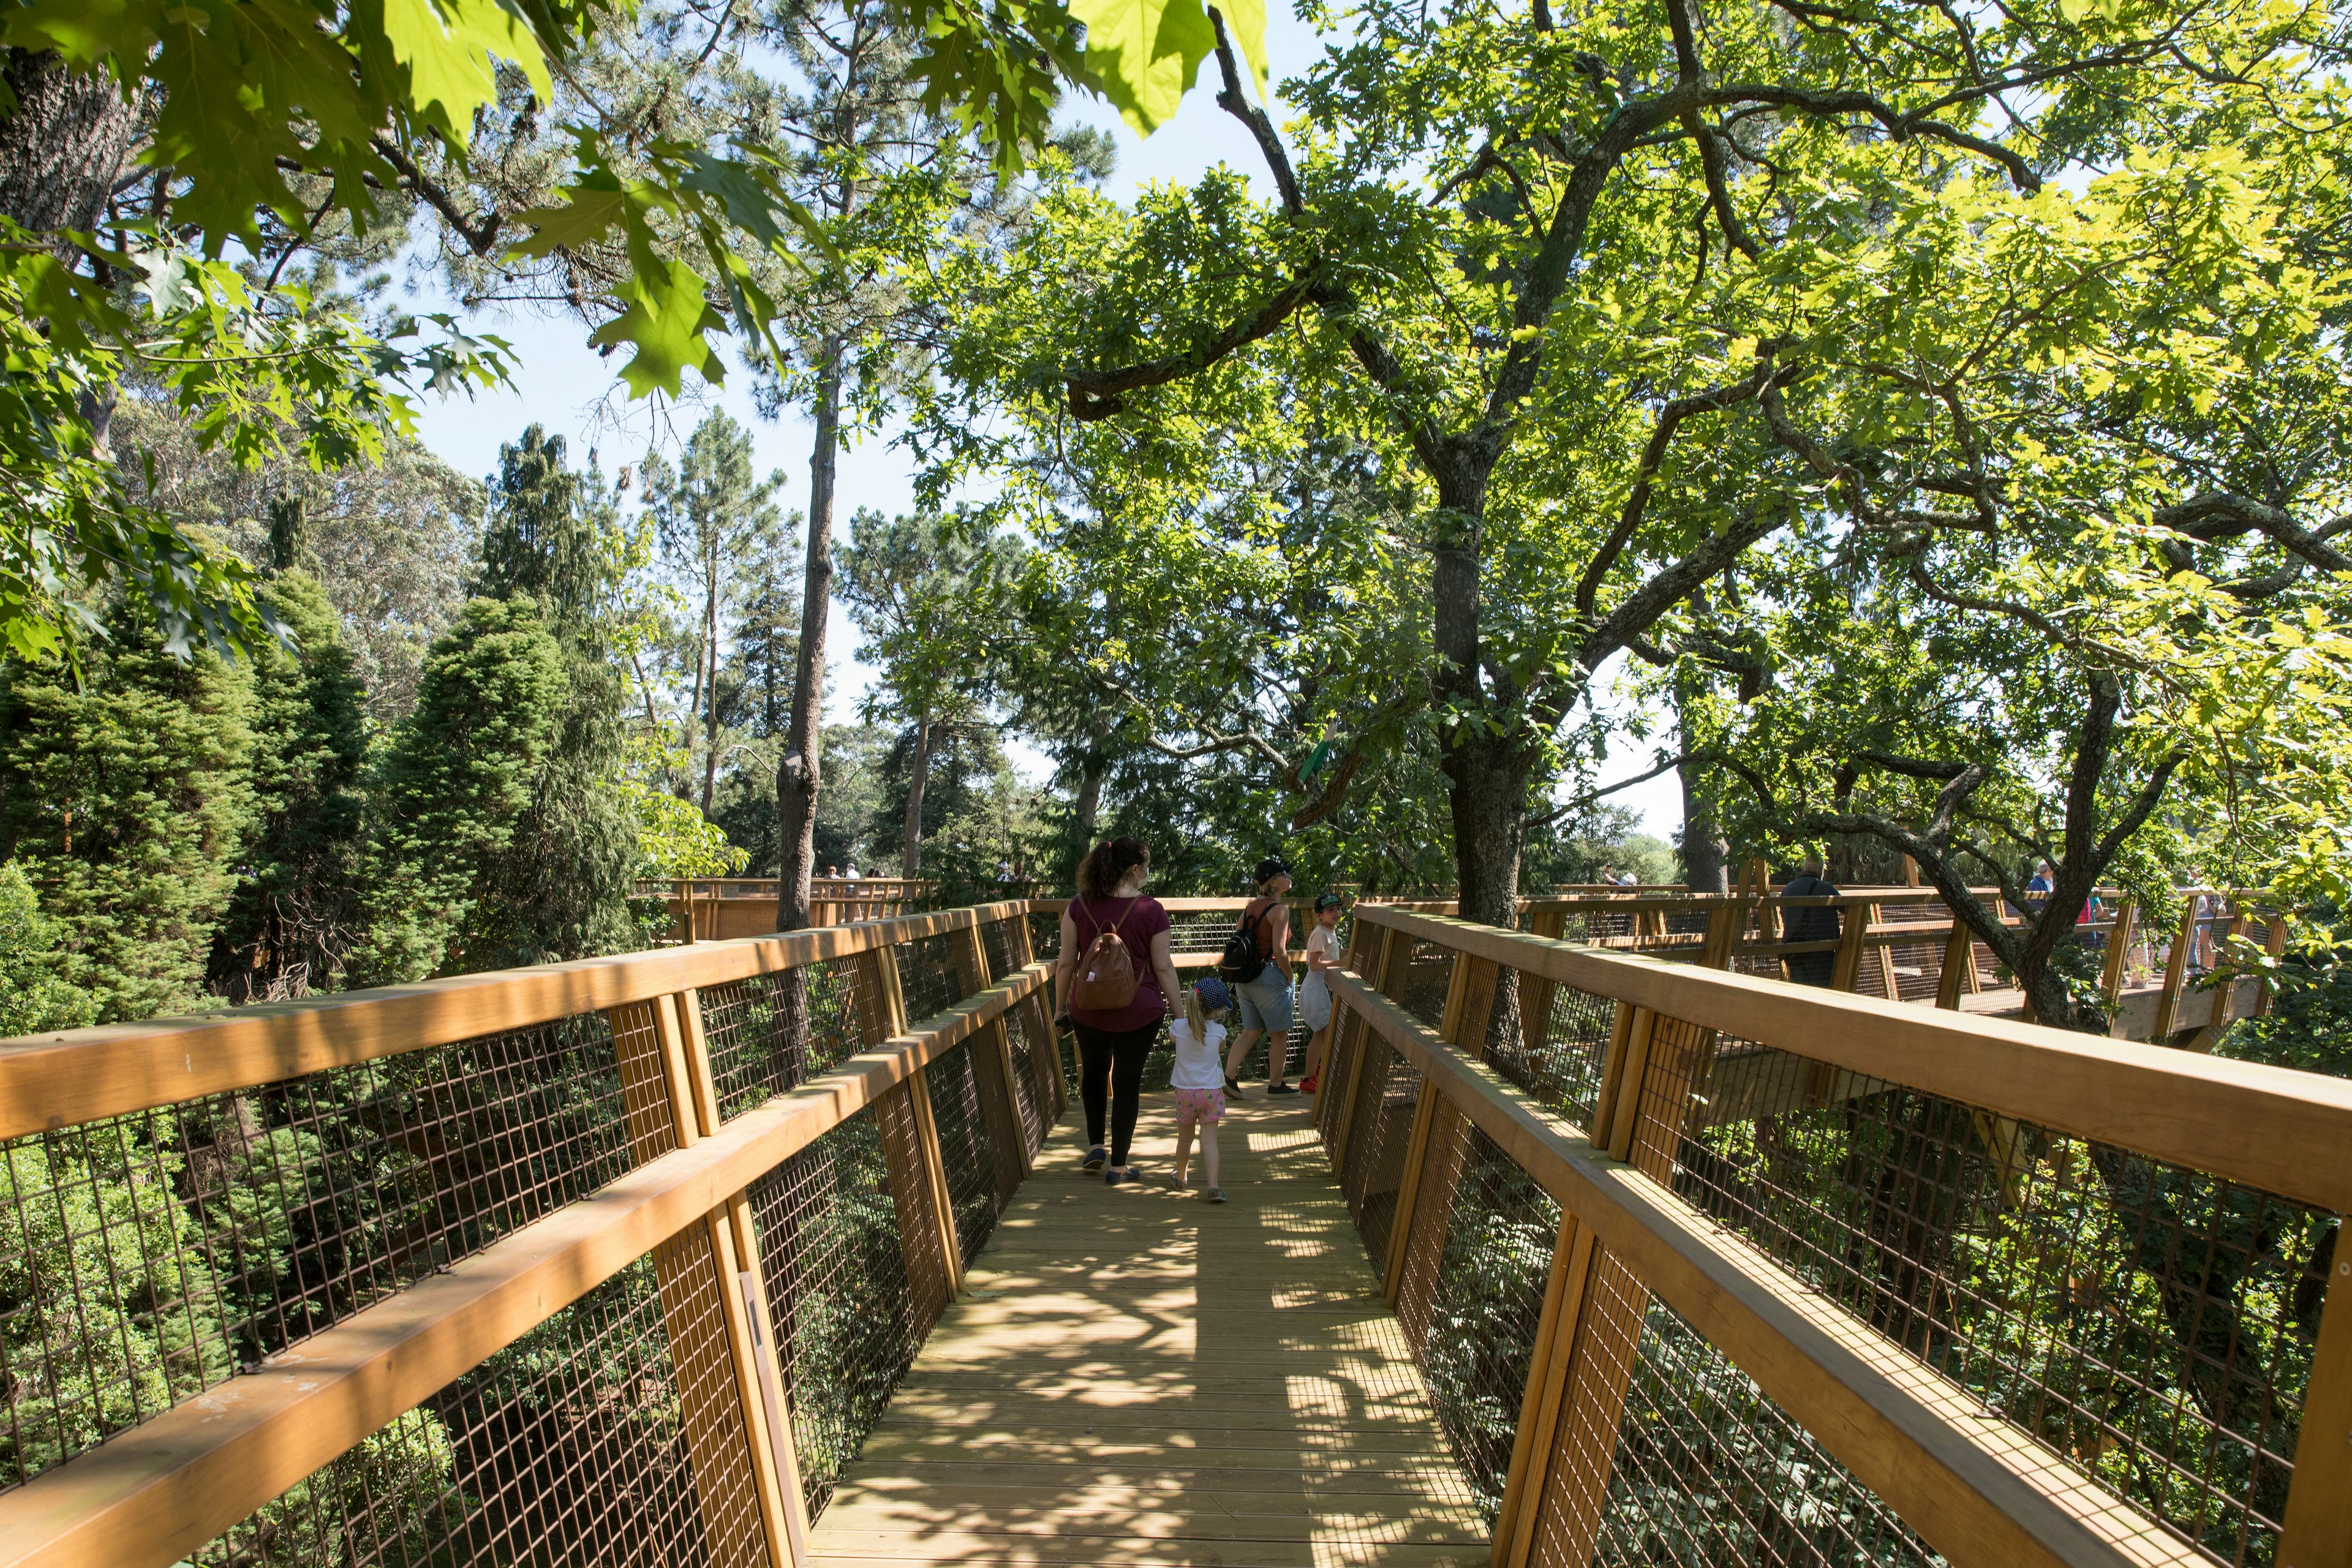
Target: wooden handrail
[
  {"x": 2273, "y": 1127},
  {"x": 48, "y": 1081},
  {"x": 154, "y": 1494}
]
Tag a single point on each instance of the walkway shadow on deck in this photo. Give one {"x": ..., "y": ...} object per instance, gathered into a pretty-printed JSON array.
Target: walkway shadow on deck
[{"x": 1135, "y": 1376}]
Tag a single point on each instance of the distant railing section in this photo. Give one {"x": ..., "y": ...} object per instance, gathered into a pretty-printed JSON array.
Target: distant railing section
[
  {"x": 612, "y": 1262},
  {"x": 719, "y": 908},
  {"x": 1705, "y": 1268}
]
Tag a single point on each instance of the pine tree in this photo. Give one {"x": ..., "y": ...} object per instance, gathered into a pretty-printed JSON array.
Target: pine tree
[
  {"x": 558, "y": 887},
  {"x": 126, "y": 801},
  {"x": 292, "y": 917},
  {"x": 461, "y": 773}
]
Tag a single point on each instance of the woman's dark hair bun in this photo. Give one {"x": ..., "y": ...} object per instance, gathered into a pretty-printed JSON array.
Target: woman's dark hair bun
[{"x": 1106, "y": 864}]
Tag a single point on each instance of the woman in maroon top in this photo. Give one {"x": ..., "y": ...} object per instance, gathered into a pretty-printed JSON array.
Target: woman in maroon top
[{"x": 1113, "y": 1046}]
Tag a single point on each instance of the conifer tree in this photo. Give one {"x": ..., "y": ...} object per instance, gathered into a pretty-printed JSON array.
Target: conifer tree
[
  {"x": 126, "y": 801},
  {"x": 461, "y": 772},
  {"x": 290, "y": 919}
]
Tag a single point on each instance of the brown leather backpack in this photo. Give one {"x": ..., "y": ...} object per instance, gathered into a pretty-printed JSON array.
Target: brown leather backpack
[{"x": 1107, "y": 981}]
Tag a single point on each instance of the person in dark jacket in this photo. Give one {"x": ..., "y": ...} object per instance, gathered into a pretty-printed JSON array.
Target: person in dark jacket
[{"x": 1812, "y": 923}]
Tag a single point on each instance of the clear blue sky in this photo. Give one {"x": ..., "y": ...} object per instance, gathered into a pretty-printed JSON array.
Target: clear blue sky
[{"x": 565, "y": 386}]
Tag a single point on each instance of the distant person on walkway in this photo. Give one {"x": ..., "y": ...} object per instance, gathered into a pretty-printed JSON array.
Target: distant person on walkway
[
  {"x": 1266, "y": 996},
  {"x": 1114, "y": 1042},
  {"x": 1198, "y": 1079},
  {"x": 1323, "y": 955},
  {"x": 2038, "y": 888},
  {"x": 1814, "y": 923},
  {"x": 852, "y": 872},
  {"x": 833, "y": 873}
]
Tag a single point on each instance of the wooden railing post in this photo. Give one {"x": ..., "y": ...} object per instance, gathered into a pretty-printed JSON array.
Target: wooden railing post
[
  {"x": 1584, "y": 1351},
  {"x": 1441, "y": 1152},
  {"x": 1845, "y": 969},
  {"x": 1396, "y": 957},
  {"x": 1045, "y": 1044},
  {"x": 910, "y": 1145},
  {"x": 1959, "y": 961},
  {"x": 2317, "y": 1531},
  {"x": 1426, "y": 1109},
  {"x": 658, "y": 1094},
  {"x": 991, "y": 1069},
  {"x": 759, "y": 1376}
]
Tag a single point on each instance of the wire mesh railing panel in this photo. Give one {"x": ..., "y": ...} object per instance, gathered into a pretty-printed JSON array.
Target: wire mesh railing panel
[
  {"x": 996, "y": 948},
  {"x": 1666, "y": 1454},
  {"x": 929, "y": 979},
  {"x": 2152, "y": 1324},
  {"x": 149, "y": 1257},
  {"x": 581, "y": 1444},
  {"x": 1477, "y": 1339},
  {"x": 1378, "y": 1142},
  {"x": 966, "y": 1151},
  {"x": 1552, "y": 1042},
  {"x": 1045, "y": 934},
  {"x": 1428, "y": 976},
  {"x": 1030, "y": 1088},
  {"x": 848, "y": 1319},
  {"x": 1203, "y": 930},
  {"x": 759, "y": 1032}
]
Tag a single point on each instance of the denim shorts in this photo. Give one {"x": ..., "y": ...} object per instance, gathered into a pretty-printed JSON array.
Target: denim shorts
[{"x": 1265, "y": 1001}]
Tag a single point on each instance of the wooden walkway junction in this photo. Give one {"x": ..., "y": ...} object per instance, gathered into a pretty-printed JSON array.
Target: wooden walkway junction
[
  {"x": 1136, "y": 1376},
  {"x": 769, "y": 1253}
]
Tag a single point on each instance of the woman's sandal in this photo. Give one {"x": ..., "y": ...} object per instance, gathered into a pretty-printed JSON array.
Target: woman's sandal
[{"x": 1214, "y": 1194}]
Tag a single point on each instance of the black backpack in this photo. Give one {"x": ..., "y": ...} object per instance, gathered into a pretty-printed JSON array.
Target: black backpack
[{"x": 1242, "y": 963}]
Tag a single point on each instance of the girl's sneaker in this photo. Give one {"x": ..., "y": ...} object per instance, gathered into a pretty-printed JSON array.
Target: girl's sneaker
[
  {"x": 1094, "y": 1158},
  {"x": 1306, "y": 1084},
  {"x": 1121, "y": 1175},
  {"x": 1214, "y": 1194}
]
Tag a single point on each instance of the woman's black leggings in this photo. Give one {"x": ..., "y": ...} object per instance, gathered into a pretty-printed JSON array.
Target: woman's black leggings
[{"x": 1111, "y": 1068}]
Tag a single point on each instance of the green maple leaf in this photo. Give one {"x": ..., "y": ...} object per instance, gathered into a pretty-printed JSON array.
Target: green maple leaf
[
  {"x": 447, "y": 46},
  {"x": 1142, "y": 55},
  {"x": 666, "y": 322},
  {"x": 594, "y": 208},
  {"x": 752, "y": 198}
]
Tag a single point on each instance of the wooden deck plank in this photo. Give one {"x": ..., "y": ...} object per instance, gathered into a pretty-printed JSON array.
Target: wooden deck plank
[{"x": 1138, "y": 1377}]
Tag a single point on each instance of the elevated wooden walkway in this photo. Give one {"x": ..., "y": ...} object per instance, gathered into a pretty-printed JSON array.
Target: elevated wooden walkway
[{"x": 1135, "y": 1376}]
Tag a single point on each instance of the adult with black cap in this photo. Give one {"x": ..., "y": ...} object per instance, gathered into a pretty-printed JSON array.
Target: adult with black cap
[{"x": 1265, "y": 1001}]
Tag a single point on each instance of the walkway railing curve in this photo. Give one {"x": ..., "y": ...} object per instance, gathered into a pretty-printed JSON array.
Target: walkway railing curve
[
  {"x": 1702, "y": 1268},
  {"x": 613, "y": 1261}
]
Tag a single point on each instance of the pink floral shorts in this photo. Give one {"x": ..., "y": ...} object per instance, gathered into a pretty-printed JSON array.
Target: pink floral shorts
[{"x": 1204, "y": 1106}]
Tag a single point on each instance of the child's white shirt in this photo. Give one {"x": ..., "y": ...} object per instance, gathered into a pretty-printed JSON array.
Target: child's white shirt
[
  {"x": 1199, "y": 1064},
  {"x": 1323, "y": 940}
]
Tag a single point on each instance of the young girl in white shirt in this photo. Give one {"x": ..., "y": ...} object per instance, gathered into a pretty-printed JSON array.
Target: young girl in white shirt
[
  {"x": 1200, "y": 1078},
  {"x": 1324, "y": 954}
]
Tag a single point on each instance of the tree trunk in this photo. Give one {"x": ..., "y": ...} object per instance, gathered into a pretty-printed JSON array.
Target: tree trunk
[
  {"x": 1706, "y": 856},
  {"x": 917, "y": 773},
  {"x": 1089, "y": 807},
  {"x": 65, "y": 144},
  {"x": 1489, "y": 797},
  {"x": 797, "y": 775}
]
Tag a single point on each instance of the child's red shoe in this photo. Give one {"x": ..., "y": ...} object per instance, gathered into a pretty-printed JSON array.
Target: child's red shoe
[{"x": 1306, "y": 1084}]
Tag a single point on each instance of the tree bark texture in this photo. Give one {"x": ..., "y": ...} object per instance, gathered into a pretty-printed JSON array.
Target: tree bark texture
[
  {"x": 918, "y": 773},
  {"x": 1706, "y": 856},
  {"x": 65, "y": 146},
  {"x": 796, "y": 776}
]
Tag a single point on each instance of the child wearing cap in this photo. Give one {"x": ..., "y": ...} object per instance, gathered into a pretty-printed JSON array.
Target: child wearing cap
[
  {"x": 1323, "y": 955},
  {"x": 1198, "y": 1077}
]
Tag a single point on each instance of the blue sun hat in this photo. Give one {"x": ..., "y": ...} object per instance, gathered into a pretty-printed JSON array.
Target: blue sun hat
[{"x": 1213, "y": 995}]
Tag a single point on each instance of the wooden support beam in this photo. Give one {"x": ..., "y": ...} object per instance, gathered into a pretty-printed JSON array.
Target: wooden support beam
[
  {"x": 2176, "y": 970},
  {"x": 993, "y": 1075},
  {"x": 1037, "y": 1020},
  {"x": 2118, "y": 967}
]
